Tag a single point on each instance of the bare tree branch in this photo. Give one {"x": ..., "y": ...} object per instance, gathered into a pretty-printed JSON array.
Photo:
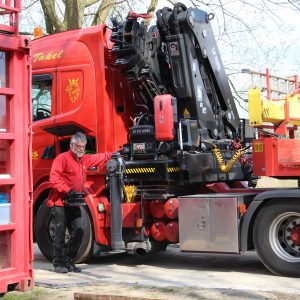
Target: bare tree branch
[
  {"x": 151, "y": 9},
  {"x": 90, "y": 2},
  {"x": 237, "y": 97},
  {"x": 238, "y": 31},
  {"x": 129, "y": 5},
  {"x": 29, "y": 5},
  {"x": 171, "y": 1},
  {"x": 104, "y": 10}
]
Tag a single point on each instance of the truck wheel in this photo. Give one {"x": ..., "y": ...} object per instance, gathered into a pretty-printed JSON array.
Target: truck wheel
[
  {"x": 277, "y": 237},
  {"x": 43, "y": 231}
]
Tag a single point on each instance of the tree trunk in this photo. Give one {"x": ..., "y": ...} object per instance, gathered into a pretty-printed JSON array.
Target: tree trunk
[
  {"x": 152, "y": 6},
  {"x": 74, "y": 14},
  {"x": 103, "y": 11},
  {"x": 52, "y": 21},
  {"x": 151, "y": 9},
  {"x": 48, "y": 23}
]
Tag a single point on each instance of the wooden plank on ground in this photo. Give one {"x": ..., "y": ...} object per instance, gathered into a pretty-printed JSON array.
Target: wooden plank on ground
[{"x": 86, "y": 296}]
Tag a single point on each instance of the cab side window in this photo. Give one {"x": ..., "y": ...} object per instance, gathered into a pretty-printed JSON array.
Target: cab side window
[{"x": 41, "y": 96}]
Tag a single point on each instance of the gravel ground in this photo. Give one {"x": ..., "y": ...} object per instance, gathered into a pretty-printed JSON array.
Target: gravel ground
[{"x": 166, "y": 275}]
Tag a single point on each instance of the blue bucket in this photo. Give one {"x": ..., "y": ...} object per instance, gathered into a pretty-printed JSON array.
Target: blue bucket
[{"x": 3, "y": 198}]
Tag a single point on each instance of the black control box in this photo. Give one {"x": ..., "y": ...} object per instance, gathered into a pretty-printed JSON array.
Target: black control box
[{"x": 142, "y": 142}]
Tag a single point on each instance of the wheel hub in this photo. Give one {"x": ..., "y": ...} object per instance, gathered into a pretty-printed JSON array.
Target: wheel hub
[
  {"x": 292, "y": 234},
  {"x": 285, "y": 236},
  {"x": 295, "y": 235}
]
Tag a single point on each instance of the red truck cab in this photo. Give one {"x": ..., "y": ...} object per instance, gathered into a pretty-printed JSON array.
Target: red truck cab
[{"x": 73, "y": 89}]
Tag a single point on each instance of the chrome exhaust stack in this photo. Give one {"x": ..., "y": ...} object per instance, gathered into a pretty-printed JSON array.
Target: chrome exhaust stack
[{"x": 139, "y": 248}]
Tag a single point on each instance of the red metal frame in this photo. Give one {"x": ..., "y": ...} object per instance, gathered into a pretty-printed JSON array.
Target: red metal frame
[
  {"x": 17, "y": 271},
  {"x": 268, "y": 84},
  {"x": 10, "y": 9}
]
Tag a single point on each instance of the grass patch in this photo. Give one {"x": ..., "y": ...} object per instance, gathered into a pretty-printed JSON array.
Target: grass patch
[
  {"x": 168, "y": 289},
  {"x": 136, "y": 287},
  {"x": 32, "y": 294}
]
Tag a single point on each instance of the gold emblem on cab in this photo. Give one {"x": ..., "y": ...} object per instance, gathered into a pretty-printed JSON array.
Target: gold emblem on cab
[
  {"x": 35, "y": 155},
  {"x": 73, "y": 89}
]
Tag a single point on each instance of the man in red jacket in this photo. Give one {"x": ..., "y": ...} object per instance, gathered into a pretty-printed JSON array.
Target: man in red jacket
[{"x": 68, "y": 175}]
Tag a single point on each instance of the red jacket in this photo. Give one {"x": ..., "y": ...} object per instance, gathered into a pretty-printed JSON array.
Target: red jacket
[{"x": 69, "y": 173}]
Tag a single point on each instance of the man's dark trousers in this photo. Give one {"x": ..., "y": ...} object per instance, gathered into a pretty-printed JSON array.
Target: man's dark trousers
[{"x": 66, "y": 217}]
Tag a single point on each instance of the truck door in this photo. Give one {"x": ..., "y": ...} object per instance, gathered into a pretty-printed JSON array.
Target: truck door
[{"x": 43, "y": 114}]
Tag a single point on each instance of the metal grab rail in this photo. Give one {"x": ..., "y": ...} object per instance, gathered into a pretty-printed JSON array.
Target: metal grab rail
[{"x": 289, "y": 83}]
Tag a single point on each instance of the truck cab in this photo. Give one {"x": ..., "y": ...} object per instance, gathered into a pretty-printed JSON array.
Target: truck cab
[{"x": 73, "y": 89}]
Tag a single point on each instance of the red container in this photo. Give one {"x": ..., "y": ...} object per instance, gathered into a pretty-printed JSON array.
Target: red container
[
  {"x": 157, "y": 209},
  {"x": 172, "y": 232},
  {"x": 171, "y": 208},
  {"x": 164, "y": 118},
  {"x": 158, "y": 231},
  {"x": 16, "y": 245},
  {"x": 276, "y": 157}
]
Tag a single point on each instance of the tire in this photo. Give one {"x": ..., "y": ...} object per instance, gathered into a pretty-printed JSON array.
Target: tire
[
  {"x": 44, "y": 235},
  {"x": 277, "y": 237}
]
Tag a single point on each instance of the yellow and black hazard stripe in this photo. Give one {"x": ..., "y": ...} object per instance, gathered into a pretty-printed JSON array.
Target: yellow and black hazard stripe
[
  {"x": 149, "y": 170},
  {"x": 173, "y": 169},
  {"x": 139, "y": 170}
]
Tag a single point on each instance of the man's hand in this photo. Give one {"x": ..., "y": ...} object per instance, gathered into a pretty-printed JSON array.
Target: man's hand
[
  {"x": 71, "y": 193},
  {"x": 74, "y": 198}
]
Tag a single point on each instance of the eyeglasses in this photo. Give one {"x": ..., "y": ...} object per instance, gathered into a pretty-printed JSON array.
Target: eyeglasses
[{"x": 79, "y": 146}]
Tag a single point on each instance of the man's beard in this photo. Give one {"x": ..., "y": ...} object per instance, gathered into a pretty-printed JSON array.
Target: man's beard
[{"x": 79, "y": 155}]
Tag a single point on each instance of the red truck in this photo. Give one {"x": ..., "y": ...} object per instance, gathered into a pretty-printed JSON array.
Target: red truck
[{"x": 187, "y": 163}]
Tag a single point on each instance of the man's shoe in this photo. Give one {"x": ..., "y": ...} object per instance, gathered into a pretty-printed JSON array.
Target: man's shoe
[
  {"x": 60, "y": 269},
  {"x": 71, "y": 267}
]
